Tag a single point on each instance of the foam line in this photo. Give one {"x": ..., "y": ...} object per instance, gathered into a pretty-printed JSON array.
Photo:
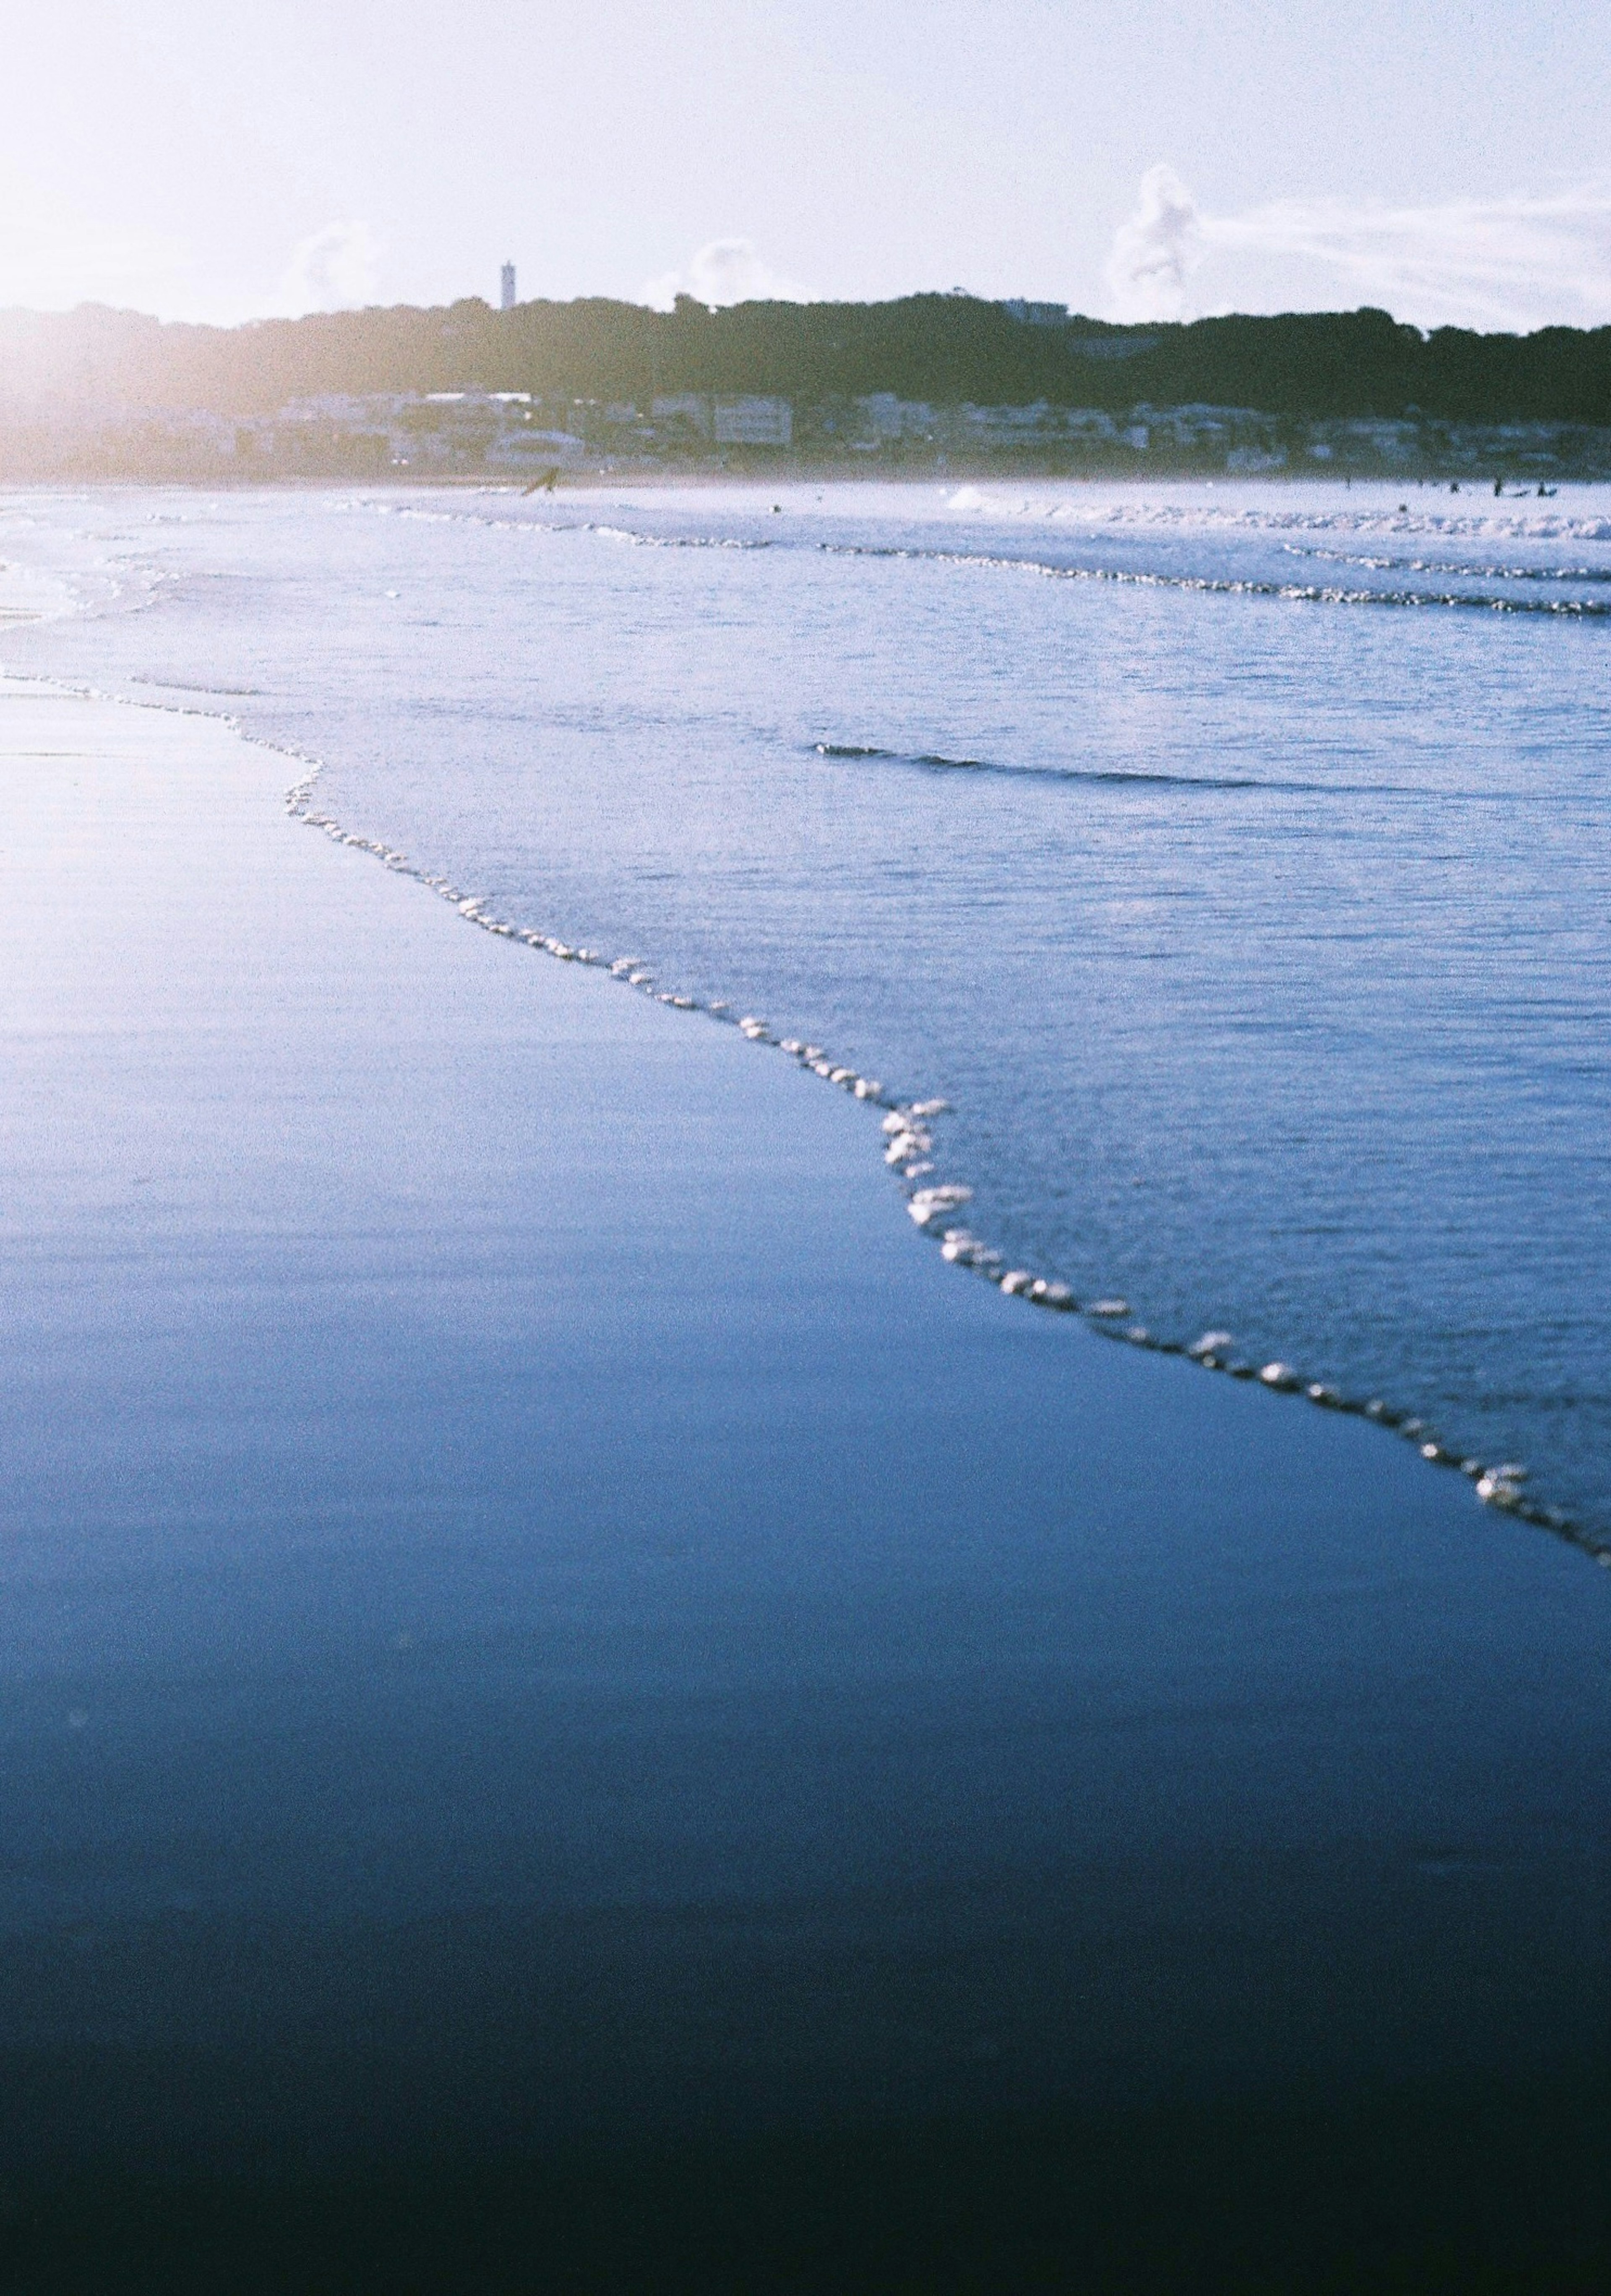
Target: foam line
[
  {"x": 909, "y": 1146},
  {"x": 1306, "y": 594}
]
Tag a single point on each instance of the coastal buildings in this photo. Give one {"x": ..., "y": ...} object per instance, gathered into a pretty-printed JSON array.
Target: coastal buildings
[
  {"x": 465, "y": 433},
  {"x": 731, "y": 420}
]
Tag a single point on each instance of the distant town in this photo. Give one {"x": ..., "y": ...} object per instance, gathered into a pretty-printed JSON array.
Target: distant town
[{"x": 540, "y": 393}]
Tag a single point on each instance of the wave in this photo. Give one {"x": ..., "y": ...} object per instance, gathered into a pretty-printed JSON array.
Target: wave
[
  {"x": 934, "y": 761},
  {"x": 1546, "y": 525},
  {"x": 1206, "y": 585},
  {"x": 641, "y": 541},
  {"x": 606, "y": 531},
  {"x": 1456, "y": 566},
  {"x": 187, "y": 685},
  {"x": 1230, "y": 585}
]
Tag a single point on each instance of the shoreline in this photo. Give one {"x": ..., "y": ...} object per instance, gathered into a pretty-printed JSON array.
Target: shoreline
[
  {"x": 539, "y": 1614},
  {"x": 1472, "y": 490},
  {"x": 934, "y": 1205}
]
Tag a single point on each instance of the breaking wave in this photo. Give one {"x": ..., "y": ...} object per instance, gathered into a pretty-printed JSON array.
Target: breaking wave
[{"x": 1225, "y": 586}]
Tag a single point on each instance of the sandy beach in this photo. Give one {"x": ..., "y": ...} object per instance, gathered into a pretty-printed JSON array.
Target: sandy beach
[{"x": 539, "y": 1612}]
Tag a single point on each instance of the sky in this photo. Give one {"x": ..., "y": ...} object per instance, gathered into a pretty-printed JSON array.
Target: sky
[{"x": 1159, "y": 160}]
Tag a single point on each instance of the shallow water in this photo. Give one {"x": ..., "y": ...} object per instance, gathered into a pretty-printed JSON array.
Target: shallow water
[{"x": 1231, "y": 858}]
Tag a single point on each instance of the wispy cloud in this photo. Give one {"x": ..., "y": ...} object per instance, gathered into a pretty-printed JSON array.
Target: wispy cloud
[
  {"x": 335, "y": 270},
  {"x": 725, "y": 271},
  {"x": 1518, "y": 262}
]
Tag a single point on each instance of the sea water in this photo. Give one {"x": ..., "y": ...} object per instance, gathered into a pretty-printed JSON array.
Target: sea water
[{"x": 1232, "y": 860}]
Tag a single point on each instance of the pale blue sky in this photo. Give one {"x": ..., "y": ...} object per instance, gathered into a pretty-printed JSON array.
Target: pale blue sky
[{"x": 1450, "y": 162}]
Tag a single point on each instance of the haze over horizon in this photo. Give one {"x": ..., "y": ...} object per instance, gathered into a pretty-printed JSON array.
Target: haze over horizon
[{"x": 1179, "y": 160}]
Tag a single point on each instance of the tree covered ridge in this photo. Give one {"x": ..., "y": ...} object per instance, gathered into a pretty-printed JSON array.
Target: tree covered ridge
[{"x": 943, "y": 349}]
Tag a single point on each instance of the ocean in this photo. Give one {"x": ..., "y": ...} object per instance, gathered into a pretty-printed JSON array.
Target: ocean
[{"x": 1229, "y": 859}]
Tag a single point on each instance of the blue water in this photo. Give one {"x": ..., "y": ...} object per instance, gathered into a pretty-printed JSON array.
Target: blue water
[{"x": 1232, "y": 859}]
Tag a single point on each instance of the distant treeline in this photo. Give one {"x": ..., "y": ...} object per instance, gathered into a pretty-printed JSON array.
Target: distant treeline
[{"x": 943, "y": 349}]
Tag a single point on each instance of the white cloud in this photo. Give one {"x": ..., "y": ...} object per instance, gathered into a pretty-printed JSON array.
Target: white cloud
[
  {"x": 1519, "y": 262},
  {"x": 336, "y": 269},
  {"x": 1153, "y": 252},
  {"x": 725, "y": 271}
]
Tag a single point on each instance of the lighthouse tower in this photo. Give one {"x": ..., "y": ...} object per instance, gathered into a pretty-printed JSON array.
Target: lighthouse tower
[{"x": 506, "y": 287}]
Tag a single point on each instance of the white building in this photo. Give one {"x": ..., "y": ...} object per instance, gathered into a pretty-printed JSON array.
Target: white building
[
  {"x": 1090, "y": 425},
  {"x": 690, "y": 407},
  {"x": 535, "y": 451},
  {"x": 1007, "y": 426},
  {"x": 746, "y": 422},
  {"x": 889, "y": 419},
  {"x": 737, "y": 421}
]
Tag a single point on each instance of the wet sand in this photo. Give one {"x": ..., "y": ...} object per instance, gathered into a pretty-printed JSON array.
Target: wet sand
[{"x": 542, "y": 1620}]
